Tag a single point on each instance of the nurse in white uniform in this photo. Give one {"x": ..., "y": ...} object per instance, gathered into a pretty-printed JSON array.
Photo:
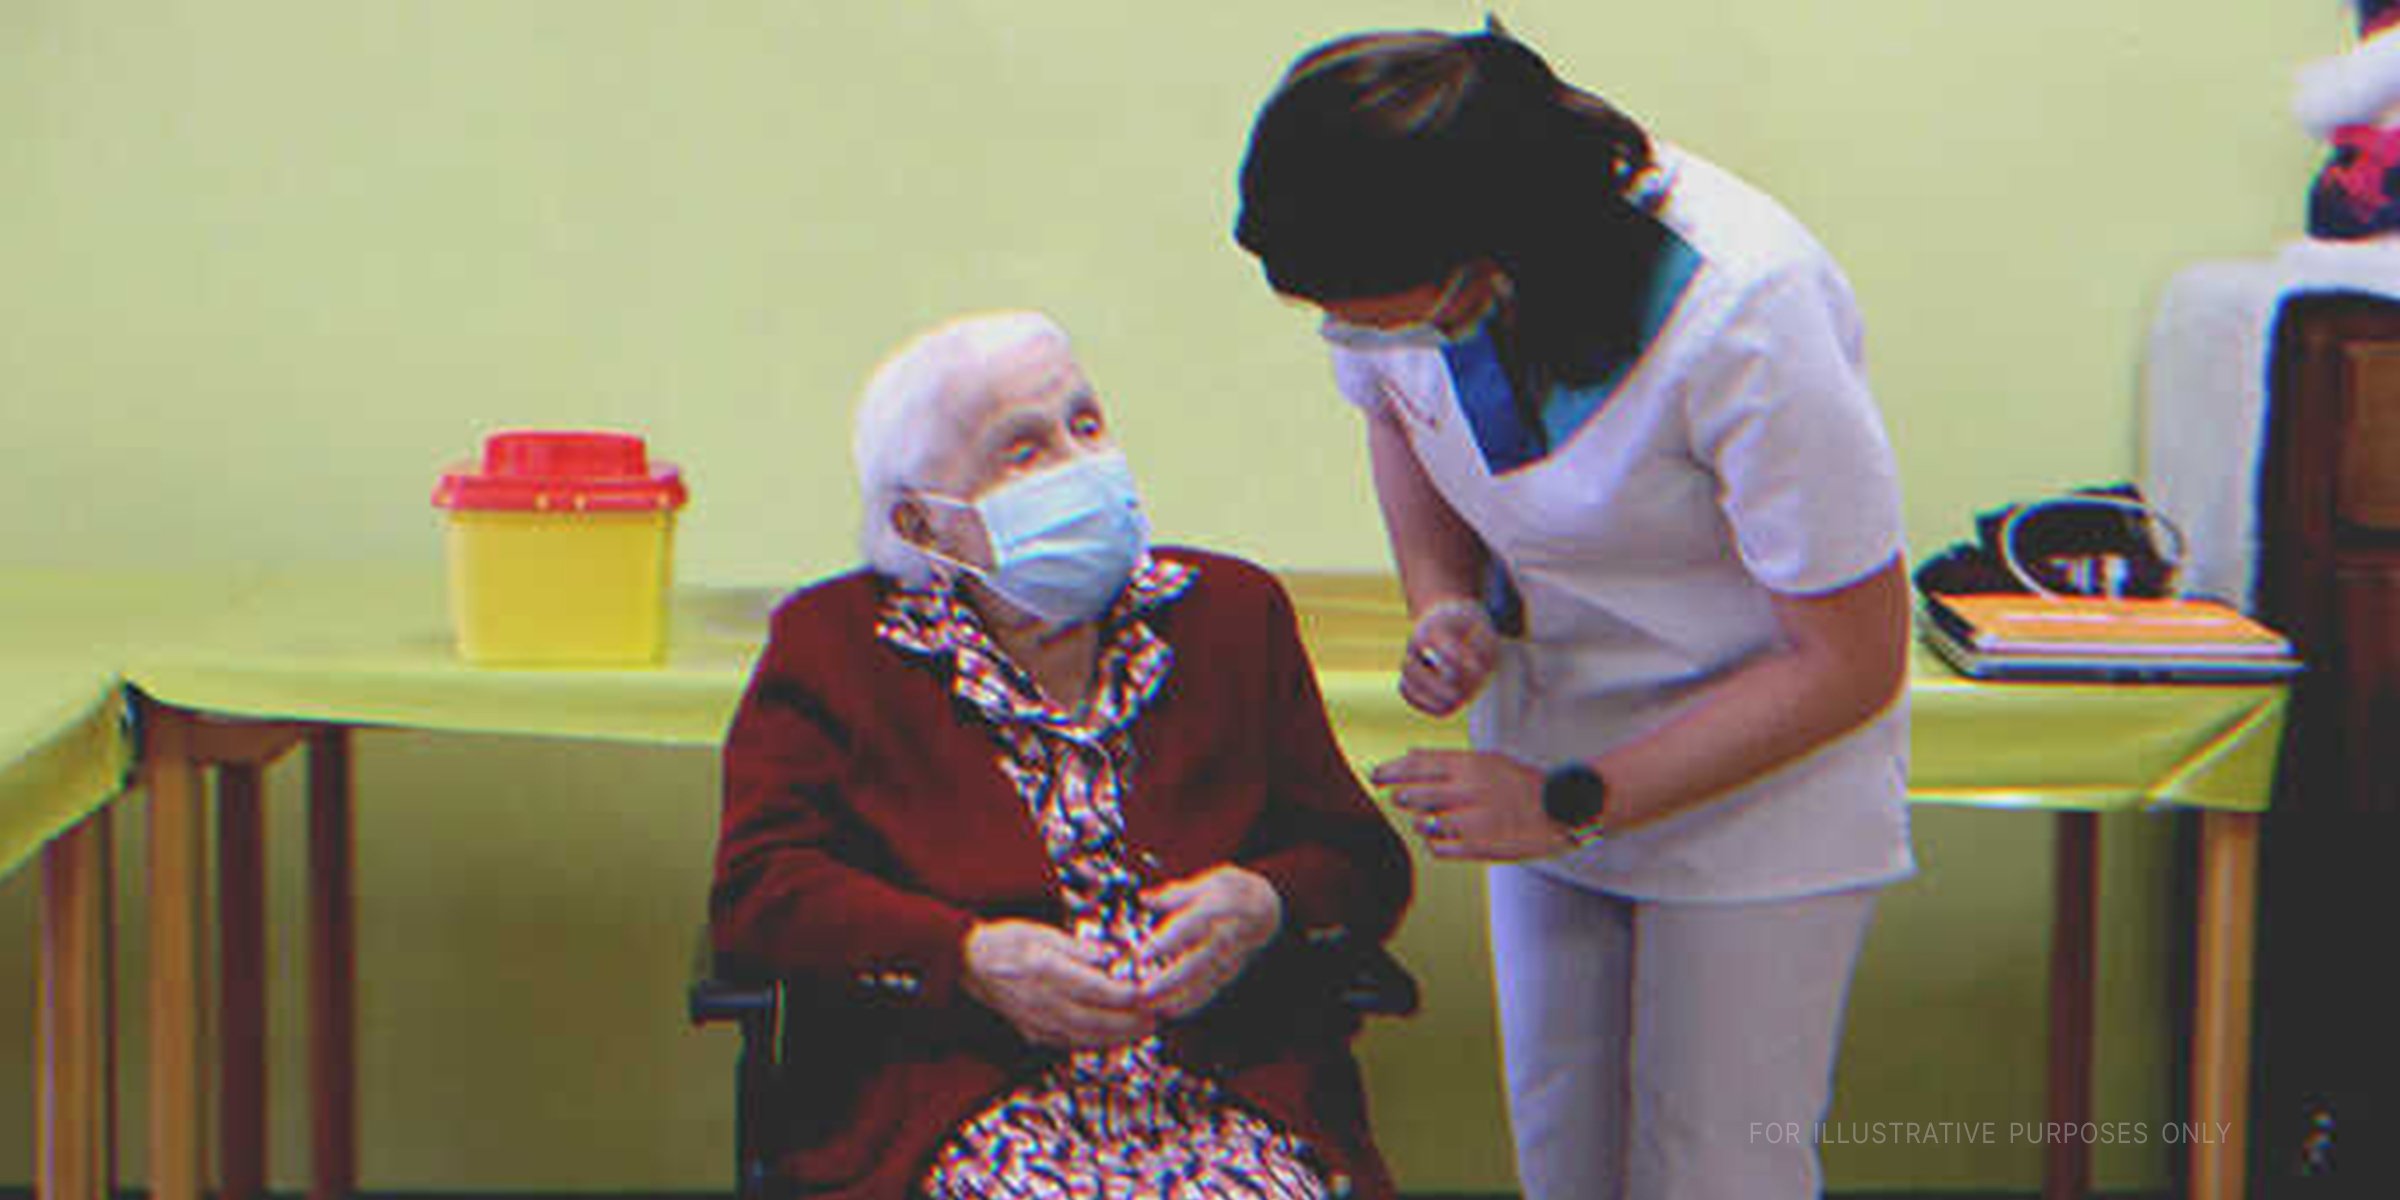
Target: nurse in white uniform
[{"x": 1648, "y": 523}]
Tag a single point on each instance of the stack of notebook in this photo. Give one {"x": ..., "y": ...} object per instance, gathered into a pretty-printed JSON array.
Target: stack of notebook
[{"x": 2081, "y": 637}]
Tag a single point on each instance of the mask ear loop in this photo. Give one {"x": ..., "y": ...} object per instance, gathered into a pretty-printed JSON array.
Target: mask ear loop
[
  {"x": 985, "y": 575},
  {"x": 2016, "y": 566},
  {"x": 941, "y": 559},
  {"x": 1342, "y": 332},
  {"x": 1501, "y": 296}
]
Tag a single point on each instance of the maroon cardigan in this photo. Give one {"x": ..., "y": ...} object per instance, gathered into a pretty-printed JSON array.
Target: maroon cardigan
[{"x": 867, "y": 826}]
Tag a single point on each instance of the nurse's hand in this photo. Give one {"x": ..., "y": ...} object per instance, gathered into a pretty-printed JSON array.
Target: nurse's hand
[
  {"x": 1473, "y": 804},
  {"x": 1450, "y": 655}
]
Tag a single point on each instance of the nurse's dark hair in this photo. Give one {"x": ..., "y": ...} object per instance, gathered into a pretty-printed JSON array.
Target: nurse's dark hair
[{"x": 1385, "y": 161}]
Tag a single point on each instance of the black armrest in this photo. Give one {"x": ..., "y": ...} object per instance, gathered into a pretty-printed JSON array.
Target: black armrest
[
  {"x": 1368, "y": 980},
  {"x": 723, "y": 990}
]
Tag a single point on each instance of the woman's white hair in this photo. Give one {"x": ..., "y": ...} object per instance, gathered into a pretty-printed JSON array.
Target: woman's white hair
[{"x": 914, "y": 411}]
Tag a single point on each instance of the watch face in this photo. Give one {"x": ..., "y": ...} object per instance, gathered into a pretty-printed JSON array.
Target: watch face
[{"x": 1574, "y": 795}]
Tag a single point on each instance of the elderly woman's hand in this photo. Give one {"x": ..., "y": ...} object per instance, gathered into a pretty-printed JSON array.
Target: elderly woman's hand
[
  {"x": 1451, "y": 652},
  {"x": 1215, "y": 923},
  {"x": 1054, "y": 989}
]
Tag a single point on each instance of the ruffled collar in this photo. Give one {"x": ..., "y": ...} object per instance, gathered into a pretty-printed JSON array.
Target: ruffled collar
[{"x": 936, "y": 622}]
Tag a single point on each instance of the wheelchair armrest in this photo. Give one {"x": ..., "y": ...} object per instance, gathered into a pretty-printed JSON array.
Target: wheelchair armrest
[
  {"x": 1368, "y": 980},
  {"x": 713, "y": 999},
  {"x": 724, "y": 990}
]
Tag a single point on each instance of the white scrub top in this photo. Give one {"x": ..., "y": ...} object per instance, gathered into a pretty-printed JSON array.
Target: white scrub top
[{"x": 1646, "y": 523}]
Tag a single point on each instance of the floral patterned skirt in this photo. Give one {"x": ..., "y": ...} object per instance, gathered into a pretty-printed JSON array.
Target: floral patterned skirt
[{"x": 1121, "y": 1125}]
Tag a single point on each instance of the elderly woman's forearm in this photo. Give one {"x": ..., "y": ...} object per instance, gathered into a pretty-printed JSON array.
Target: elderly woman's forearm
[{"x": 804, "y": 916}]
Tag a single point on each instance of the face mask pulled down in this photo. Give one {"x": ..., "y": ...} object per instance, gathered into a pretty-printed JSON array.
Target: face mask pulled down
[{"x": 1063, "y": 542}]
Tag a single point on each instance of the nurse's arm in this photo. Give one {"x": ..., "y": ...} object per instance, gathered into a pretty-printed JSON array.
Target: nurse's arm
[
  {"x": 1437, "y": 553},
  {"x": 1843, "y": 659}
]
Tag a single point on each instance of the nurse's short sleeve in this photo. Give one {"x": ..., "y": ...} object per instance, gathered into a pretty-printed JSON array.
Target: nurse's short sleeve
[
  {"x": 1779, "y": 410},
  {"x": 1359, "y": 380}
]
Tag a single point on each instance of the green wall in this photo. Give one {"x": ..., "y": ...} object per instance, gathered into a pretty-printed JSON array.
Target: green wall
[{"x": 266, "y": 265}]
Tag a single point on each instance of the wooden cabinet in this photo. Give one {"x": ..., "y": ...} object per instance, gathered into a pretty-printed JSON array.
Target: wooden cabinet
[
  {"x": 2327, "y": 1104},
  {"x": 2366, "y": 682},
  {"x": 2329, "y": 543}
]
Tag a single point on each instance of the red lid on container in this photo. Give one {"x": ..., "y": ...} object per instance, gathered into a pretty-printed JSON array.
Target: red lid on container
[{"x": 562, "y": 471}]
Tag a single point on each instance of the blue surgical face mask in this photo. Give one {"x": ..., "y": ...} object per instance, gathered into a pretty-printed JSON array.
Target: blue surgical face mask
[{"x": 1064, "y": 541}]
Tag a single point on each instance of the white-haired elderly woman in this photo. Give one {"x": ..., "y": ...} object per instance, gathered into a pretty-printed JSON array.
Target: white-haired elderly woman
[{"x": 1047, "y": 826}]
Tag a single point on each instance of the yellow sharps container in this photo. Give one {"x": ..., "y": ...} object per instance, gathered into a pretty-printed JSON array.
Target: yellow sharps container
[{"x": 561, "y": 549}]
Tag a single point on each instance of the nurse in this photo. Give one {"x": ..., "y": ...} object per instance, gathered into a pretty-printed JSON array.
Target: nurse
[{"x": 1648, "y": 525}]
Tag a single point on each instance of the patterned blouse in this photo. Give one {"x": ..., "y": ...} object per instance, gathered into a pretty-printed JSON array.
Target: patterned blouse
[{"x": 1099, "y": 1124}]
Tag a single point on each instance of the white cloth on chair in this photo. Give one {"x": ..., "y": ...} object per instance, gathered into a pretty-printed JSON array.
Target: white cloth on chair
[{"x": 2205, "y": 394}]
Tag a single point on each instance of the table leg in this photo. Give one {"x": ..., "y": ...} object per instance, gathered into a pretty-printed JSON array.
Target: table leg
[
  {"x": 241, "y": 984},
  {"x": 2221, "y": 1004},
  {"x": 175, "y": 885},
  {"x": 332, "y": 967},
  {"x": 76, "y": 1094},
  {"x": 2074, "y": 941}
]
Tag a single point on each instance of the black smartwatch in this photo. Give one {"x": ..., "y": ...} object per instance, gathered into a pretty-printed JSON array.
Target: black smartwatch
[{"x": 1576, "y": 797}]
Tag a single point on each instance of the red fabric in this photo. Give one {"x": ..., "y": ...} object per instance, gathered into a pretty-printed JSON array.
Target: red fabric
[
  {"x": 867, "y": 826},
  {"x": 2357, "y": 192}
]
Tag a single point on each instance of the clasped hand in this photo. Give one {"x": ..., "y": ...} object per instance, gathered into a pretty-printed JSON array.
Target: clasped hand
[
  {"x": 1451, "y": 652},
  {"x": 1465, "y": 804},
  {"x": 1057, "y": 990}
]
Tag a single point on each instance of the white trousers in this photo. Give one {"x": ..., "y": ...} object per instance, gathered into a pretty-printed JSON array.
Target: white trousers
[{"x": 1659, "y": 1051}]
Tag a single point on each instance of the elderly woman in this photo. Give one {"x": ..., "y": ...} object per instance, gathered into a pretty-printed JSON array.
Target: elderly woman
[{"x": 1047, "y": 829}]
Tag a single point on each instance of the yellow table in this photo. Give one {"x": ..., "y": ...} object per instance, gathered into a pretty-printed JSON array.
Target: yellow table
[
  {"x": 65, "y": 751},
  {"x": 235, "y": 673}
]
